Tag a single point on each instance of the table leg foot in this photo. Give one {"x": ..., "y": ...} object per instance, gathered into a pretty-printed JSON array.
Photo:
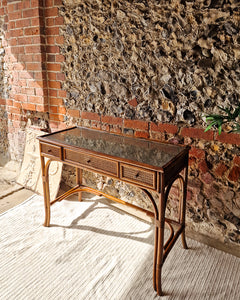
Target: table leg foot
[
  {"x": 47, "y": 218},
  {"x": 184, "y": 243},
  {"x": 79, "y": 182},
  {"x": 159, "y": 281}
]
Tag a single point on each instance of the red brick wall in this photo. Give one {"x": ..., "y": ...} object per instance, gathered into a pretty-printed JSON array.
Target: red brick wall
[
  {"x": 25, "y": 46},
  {"x": 54, "y": 60}
]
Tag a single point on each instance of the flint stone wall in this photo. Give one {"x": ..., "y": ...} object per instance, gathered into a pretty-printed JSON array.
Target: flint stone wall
[
  {"x": 167, "y": 61},
  {"x": 176, "y": 58}
]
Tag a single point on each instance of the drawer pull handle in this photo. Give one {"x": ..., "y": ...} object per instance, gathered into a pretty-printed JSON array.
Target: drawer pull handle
[
  {"x": 88, "y": 161},
  {"x": 49, "y": 150},
  {"x": 137, "y": 175}
]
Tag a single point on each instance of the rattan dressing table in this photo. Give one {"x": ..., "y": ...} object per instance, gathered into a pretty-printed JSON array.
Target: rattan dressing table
[{"x": 149, "y": 165}]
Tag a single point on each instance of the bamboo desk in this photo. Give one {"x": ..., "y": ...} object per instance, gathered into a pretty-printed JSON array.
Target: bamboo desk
[{"x": 149, "y": 165}]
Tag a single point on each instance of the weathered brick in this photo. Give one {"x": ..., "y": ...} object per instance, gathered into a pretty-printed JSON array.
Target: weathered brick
[
  {"x": 52, "y": 31},
  {"x": 51, "y": 12},
  {"x": 74, "y": 113},
  {"x": 29, "y": 106},
  {"x": 54, "y": 85},
  {"x": 234, "y": 174},
  {"x": 24, "y": 41},
  {"x": 35, "y": 3},
  {"x": 22, "y": 98},
  {"x": 13, "y": 42},
  {"x": 51, "y": 58},
  {"x": 221, "y": 169},
  {"x": 198, "y": 153},
  {"x": 54, "y": 67},
  {"x": 62, "y": 93},
  {"x": 55, "y": 101},
  {"x": 52, "y": 76},
  {"x": 54, "y": 117},
  {"x": 228, "y": 138},
  {"x": 39, "y": 92},
  {"x": 16, "y": 32},
  {"x": 17, "y": 104},
  {"x": 42, "y": 108},
  {"x": 197, "y": 133},
  {"x": 33, "y": 66},
  {"x": 54, "y": 109},
  {"x": 9, "y": 102},
  {"x": 29, "y": 13},
  {"x": 203, "y": 167},
  {"x": 50, "y": 22},
  {"x": 35, "y": 99},
  {"x": 60, "y": 76},
  {"x": 2, "y": 101},
  {"x": 48, "y": 3},
  {"x": 51, "y": 40},
  {"x": 22, "y": 23},
  {"x": 36, "y": 21},
  {"x": 136, "y": 124},
  {"x": 236, "y": 160},
  {"x": 112, "y": 120},
  {"x": 33, "y": 49},
  {"x": 90, "y": 116},
  {"x": 53, "y": 93},
  {"x": 207, "y": 178},
  {"x": 59, "y": 58},
  {"x": 52, "y": 49},
  {"x": 133, "y": 102},
  {"x": 163, "y": 127},
  {"x": 15, "y": 15},
  {"x": 32, "y": 30},
  {"x": 62, "y": 110},
  {"x": 14, "y": 110},
  {"x": 142, "y": 134},
  {"x": 58, "y": 2},
  {"x": 59, "y": 40},
  {"x": 59, "y": 20}
]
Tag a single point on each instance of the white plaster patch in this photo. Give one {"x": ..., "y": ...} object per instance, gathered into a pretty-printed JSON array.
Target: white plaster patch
[{"x": 31, "y": 173}]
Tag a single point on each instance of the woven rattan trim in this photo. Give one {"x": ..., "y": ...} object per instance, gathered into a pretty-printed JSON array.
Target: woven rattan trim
[
  {"x": 91, "y": 161},
  {"x": 51, "y": 150},
  {"x": 138, "y": 175}
]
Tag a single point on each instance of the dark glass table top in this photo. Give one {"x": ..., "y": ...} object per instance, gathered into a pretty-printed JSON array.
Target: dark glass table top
[{"x": 148, "y": 152}]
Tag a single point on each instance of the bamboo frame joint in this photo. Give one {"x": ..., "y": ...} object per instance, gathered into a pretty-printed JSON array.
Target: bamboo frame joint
[{"x": 159, "y": 224}]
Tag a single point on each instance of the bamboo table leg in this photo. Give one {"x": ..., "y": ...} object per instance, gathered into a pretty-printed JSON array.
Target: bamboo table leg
[
  {"x": 183, "y": 208},
  {"x": 79, "y": 181},
  {"x": 46, "y": 193},
  {"x": 160, "y": 241}
]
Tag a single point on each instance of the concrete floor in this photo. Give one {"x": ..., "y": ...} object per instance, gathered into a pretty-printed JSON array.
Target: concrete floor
[{"x": 12, "y": 194}]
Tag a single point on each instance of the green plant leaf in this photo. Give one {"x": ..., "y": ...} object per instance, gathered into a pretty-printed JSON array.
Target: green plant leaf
[
  {"x": 219, "y": 129},
  {"x": 230, "y": 116},
  {"x": 210, "y": 126}
]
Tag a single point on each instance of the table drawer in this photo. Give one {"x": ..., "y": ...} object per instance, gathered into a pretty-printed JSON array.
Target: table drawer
[
  {"x": 102, "y": 165},
  {"x": 51, "y": 150},
  {"x": 140, "y": 176}
]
